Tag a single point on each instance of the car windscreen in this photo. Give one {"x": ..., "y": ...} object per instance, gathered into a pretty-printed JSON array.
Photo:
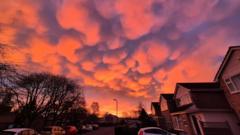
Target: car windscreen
[
  {"x": 6, "y": 133},
  {"x": 156, "y": 131}
]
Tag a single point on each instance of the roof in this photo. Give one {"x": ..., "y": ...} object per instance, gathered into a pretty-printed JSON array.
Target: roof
[
  {"x": 210, "y": 100},
  {"x": 205, "y": 95},
  {"x": 167, "y": 96},
  {"x": 170, "y": 101},
  {"x": 225, "y": 61},
  {"x": 182, "y": 108},
  {"x": 155, "y": 104},
  {"x": 195, "y": 86},
  {"x": 156, "y": 107}
]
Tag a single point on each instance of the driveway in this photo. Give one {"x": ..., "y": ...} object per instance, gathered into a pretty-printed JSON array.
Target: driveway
[{"x": 102, "y": 131}]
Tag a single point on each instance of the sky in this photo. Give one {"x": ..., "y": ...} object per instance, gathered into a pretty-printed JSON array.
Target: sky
[{"x": 131, "y": 50}]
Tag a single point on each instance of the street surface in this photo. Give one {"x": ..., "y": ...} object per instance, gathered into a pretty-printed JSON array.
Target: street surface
[{"x": 102, "y": 131}]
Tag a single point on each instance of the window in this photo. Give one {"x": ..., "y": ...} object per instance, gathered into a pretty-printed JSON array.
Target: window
[
  {"x": 176, "y": 122},
  {"x": 184, "y": 100},
  {"x": 233, "y": 83}
]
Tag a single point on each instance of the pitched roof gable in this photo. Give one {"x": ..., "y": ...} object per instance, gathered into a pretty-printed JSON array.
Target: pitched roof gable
[
  {"x": 156, "y": 107},
  {"x": 167, "y": 96},
  {"x": 210, "y": 100},
  {"x": 225, "y": 61},
  {"x": 202, "y": 86}
]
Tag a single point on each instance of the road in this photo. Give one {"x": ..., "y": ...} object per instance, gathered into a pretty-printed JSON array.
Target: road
[{"x": 102, "y": 131}]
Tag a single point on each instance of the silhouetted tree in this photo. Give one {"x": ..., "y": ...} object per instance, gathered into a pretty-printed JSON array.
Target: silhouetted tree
[
  {"x": 75, "y": 116},
  {"x": 95, "y": 108},
  {"x": 45, "y": 95},
  {"x": 145, "y": 119},
  {"x": 8, "y": 75}
]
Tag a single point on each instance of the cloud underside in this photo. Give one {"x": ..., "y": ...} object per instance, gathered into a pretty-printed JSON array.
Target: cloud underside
[{"x": 137, "y": 48}]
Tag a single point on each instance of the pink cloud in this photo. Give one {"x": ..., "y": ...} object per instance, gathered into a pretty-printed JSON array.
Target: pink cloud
[
  {"x": 67, "y": 47},
  {"x": 137, "y": 20},
  {"x": 73, "y": 14},
  {"x": 114, "y": 58},
  {"x": 149, "y": 55},
  {"x": 88, "y": 65}
]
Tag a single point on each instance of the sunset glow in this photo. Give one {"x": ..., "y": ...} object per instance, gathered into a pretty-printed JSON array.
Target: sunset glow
[{"x": 131, "y": 50}]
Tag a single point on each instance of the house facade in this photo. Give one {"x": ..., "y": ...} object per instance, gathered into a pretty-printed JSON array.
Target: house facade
[
  {"x": 206, "y": 108},
  {"x": 229, "y": 77},
  {"x": 202, "y": 109},
  {"x": 167, "y": 105},
  {"x": 156, "y": 112}
]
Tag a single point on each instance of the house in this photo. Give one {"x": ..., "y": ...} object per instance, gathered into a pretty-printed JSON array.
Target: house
[
  {"x": 156, "y": 112},
  {"x": 167, "y": 105},
  {"x": 229, "y": 77},
  {"x": 202, "y": 109}
]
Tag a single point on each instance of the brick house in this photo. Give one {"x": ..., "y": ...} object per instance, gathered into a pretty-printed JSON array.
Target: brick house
[
  {"x": 167, "y": 105},
  {"x": 156, "y": 112},
  {"x": 229, "y": 77},
  {"x": 202, "y": 109}
]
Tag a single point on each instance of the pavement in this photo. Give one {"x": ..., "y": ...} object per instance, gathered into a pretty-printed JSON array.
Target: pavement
[{"x": 102, "y": 131}]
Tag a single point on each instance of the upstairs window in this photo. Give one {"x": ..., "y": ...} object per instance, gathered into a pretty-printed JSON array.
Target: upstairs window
[
  {"x": 184, "y": 100},
  {"x": 233, "y": 83}
]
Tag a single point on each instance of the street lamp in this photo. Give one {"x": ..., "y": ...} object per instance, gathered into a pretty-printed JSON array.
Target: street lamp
[{"x": 116, "y": 106}]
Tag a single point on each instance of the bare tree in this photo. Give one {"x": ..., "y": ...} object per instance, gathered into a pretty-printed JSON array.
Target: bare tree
[
  {"x": 8, "y": 75},
  {"x": 45, "y": 95}
]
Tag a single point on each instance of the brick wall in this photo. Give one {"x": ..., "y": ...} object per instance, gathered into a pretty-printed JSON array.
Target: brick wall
[
  {"x": 167, "y": 120},
  {"x": 233, "y": 99},
  {"x": 184, "y": 123}
]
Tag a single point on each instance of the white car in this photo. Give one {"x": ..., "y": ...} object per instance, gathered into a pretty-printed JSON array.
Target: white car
[
  {"x": 19, "y": 131},
  {"x": 87, "y": 127},
  {"x": 153, "y": 131}
]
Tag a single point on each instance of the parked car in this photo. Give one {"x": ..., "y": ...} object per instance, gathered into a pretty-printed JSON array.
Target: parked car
[
  {"x": 95, "y": 126},
  {"x": 19, "y": 131},
  {"x": 53, "y": 130},
  {"x": 71, "y": 130},
  {"x": 153, "y": 131},
  {"x": 87, "y": 127}
]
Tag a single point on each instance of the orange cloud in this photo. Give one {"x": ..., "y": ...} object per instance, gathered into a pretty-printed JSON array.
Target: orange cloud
[
  {"x": 145, "y": 80},
  {"x": 73, "y": 15},
  {"x": 138, "y": 20},
  {"x": 114, "y": 58},
  {"x": 149, "y": 55},
  {"x": 21, "y": 13},
  {"x": 88, "y": 65},
  {"x": 67, "y": 47}
]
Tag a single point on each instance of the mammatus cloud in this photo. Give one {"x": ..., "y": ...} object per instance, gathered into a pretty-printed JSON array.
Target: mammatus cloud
[{"x": 118, "y": 49}]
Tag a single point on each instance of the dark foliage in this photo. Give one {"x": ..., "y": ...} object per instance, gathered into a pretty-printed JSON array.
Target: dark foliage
[{"x": 45, "y": 95}]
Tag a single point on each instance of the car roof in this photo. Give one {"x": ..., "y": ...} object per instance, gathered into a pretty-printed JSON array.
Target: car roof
[
  {"x": 17, "y": 129},
  {"x": 151, "y": 128}
]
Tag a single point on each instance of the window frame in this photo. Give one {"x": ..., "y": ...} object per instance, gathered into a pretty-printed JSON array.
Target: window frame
[
  {"x": 177, "y": 122},
  {"x": 183, "y": 100},
  {"x": 229, "y": 77}
]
